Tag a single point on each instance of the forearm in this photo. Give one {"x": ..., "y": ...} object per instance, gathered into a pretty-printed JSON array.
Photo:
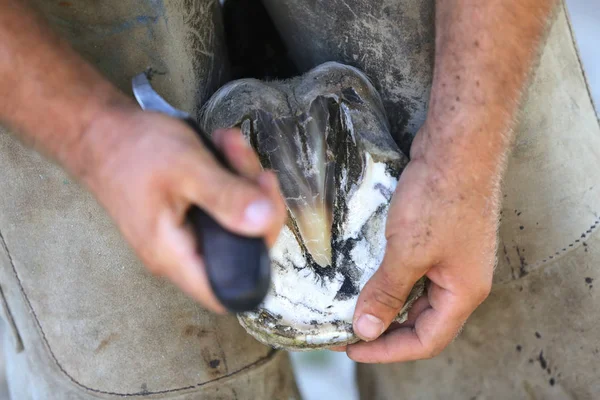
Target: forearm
[
  {"x": 484, "y": 53},
  {"x": 442, "y": 222},
  {"x": 48, "y": 94}
]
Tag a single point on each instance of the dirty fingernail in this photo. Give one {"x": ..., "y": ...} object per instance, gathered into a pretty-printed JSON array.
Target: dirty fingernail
[
  {"x": 259, "y": 213},
  {"x": 369, "y": 327}
]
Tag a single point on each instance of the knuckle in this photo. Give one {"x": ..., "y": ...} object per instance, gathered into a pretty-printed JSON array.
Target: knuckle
[
  {"x": 387, "y": 298},
  {"x": 413, "y": 246},
  {"x": 235, "y": 194},
  {"x": 222, "y": 195},
  {"x": 232, "y": 197},
  {"x": 217, "y": 190}
]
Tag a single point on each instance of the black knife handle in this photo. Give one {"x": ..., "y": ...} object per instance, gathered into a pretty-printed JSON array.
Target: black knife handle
[{"x": 238, "y": 267}]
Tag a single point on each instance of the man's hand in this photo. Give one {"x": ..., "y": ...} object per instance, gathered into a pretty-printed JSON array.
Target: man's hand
[
  {"x": 146, "y": 169},
  {"x": 154, "y": 169},
  {"x": 443, "y": 218},
  {"x": 441, "y": 224}
]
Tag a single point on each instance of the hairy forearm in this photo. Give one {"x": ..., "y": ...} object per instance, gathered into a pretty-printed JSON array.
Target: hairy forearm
[
  {"x": 48, "y": 94},
  {"x": 484, "y": 53}
]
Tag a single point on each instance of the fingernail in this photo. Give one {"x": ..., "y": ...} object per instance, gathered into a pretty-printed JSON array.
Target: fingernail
[
  {"x": 369, "y": 327},
  {"x": 259, "y": 213}
]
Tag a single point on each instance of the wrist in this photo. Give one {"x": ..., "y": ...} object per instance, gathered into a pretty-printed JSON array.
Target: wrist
[
  {"x": 101, "y": 129},
  {"x": 466, "y": 154},
  {"x": 467, "y": 132}
]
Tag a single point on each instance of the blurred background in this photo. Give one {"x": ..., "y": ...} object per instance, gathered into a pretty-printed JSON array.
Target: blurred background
[{"x": 314, "y": 370}]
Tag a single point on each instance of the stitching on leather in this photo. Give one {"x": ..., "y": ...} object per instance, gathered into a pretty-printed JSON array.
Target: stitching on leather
[
  {"x": 574, "y": 43},
  {"x": 256, "y": 363},
  {"x": 596, "y": 223},
  {"x": 571, "y": 246},
  {"x": 526, "y": 268}
]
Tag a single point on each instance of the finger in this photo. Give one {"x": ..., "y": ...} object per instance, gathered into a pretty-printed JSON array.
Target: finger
[
  {"x": 238, "y": 152},
  {"x": 270, "y": 184},
  {"x": 338, "y": 349},
  {"x": 178, "y": 261},
  {"x": 383, "y": 296},
  {"x": 420, "y": 305},
  {"x": 434, "y": 328},
  {"x": 243, "y": 158},
  {"x": 238, "y": 204}
]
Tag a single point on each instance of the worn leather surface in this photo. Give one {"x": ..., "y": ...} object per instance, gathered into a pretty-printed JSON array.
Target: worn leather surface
[
  {"x": 181, "y": 41},
  {"x": 89, "y": 321},
  {"x": 82, "y": 284},
  {"x": 536, "y": 337}
]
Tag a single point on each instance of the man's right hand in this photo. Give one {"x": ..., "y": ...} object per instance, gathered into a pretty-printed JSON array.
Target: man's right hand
[{"x": 148, "y": 169}]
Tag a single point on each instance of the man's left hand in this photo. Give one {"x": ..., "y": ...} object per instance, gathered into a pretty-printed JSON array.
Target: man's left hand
[{"x": 441, "y": 224}]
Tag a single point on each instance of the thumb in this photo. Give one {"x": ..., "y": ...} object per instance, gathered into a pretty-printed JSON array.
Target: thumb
[{"x": 383, "y": 297}]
